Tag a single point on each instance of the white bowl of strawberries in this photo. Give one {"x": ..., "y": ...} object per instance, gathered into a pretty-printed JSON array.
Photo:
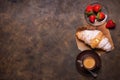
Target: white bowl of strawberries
[{"x": 95, "y": 14}]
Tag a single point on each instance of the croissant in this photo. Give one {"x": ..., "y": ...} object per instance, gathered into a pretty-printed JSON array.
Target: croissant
[{"x": 95, "y": 39}]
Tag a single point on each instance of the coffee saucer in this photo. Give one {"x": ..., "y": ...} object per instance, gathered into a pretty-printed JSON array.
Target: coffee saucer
[{"x": 81, "y": 67}]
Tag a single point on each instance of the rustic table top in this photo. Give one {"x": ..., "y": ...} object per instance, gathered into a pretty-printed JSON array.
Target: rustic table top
[{"x": 37, "y": 40}]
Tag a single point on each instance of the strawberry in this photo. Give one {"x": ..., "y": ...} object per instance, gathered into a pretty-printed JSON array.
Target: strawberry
[
  {"x": 100, "y": 16},
  {"x": 89, "y": 10},
  {"x": 92, "y": 18},
  {"x": 110, "y": 24},
  {"x": 97, "y": 8}
]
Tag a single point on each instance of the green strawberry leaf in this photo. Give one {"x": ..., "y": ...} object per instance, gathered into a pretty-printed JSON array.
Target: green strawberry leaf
[
  {"x": 89, "y": 13},
  {"x": 98, "y": 16}
]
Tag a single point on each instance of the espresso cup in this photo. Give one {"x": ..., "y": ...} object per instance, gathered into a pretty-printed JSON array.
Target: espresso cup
[{"x": 89, "y": 63}]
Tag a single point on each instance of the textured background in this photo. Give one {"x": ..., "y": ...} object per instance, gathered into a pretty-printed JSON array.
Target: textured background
[{"x": 37, "y": 40}]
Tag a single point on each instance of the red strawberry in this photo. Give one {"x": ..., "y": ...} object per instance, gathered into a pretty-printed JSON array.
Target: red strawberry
[
  {"x": 97, "y": 8},
  {"x": 92, "y": 18},
  {"x": 100, "y": 16},
  {"x": 110, "y": 24},
  {"x": 89, "y": 10}
]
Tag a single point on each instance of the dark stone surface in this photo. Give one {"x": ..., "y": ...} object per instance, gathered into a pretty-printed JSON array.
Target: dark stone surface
[{"x": 37, "y": 40}]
